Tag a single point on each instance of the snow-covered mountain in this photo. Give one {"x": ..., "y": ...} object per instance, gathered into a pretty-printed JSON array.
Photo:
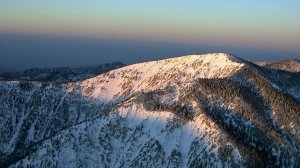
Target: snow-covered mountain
[
  {"x": 213, "y": 110},
  {"x": 61, "y": 74}
]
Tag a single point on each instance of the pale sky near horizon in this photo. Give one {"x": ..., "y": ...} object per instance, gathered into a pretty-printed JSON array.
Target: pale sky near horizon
[{"x": 271, "y": 26}]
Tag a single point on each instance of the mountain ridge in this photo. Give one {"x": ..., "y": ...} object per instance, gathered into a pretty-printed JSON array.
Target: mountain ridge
[{"x": 191, "y": 111}]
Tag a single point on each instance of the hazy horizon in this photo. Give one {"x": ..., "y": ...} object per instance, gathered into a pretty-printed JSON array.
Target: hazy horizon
[
  {"x": 39, "y": 51},
  {"x": 63, "y": 33}
]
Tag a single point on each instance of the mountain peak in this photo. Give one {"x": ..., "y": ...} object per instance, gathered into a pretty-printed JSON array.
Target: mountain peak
[{"x": 211, "y": 57}]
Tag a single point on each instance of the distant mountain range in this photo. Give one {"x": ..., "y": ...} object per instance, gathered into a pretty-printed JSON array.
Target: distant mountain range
[
  {"x": 61, "y": 74},
  {"x": 290, "y": 65},
  {"x": 212, "y": 110},
  {"x": 2, "y": 70}
]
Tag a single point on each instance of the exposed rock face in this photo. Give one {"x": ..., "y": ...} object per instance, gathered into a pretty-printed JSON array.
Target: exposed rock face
[{"x": 213, "y": 110}]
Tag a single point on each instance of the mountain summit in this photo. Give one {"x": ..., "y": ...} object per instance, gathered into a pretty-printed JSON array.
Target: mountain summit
[{"x": 212, "y": 110}]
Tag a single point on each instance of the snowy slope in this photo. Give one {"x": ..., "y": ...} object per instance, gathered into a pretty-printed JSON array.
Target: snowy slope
[{"x": 213, "y": 110}]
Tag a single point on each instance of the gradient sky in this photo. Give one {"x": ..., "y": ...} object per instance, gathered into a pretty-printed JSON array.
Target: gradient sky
[{"x": 258, "y": 26}]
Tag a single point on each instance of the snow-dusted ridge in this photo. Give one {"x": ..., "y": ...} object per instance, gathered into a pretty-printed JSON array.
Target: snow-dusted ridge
[
  {"x": 211, "y": 110},
  {"x": 159, "y": 74}
]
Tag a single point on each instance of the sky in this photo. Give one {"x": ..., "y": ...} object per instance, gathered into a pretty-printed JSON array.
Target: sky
[{"x": 36, "y": 33}]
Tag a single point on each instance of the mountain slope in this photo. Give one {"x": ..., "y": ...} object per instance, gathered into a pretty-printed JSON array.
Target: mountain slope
[
  {"x": 62, "y": 74},
  {"x": 192, "y": 111},
  {"x": 286, "y": 73}
]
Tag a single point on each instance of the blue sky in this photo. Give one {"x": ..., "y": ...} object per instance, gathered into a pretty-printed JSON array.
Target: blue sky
[{"x": 269, "y": 25}]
